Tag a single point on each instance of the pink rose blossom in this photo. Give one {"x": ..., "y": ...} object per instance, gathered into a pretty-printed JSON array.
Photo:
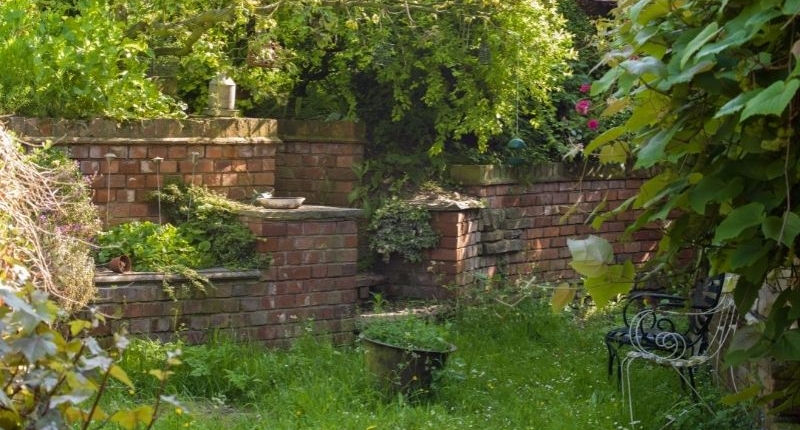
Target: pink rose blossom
[
  {"x": 593, "y": 124},
  {"x": 585, "y": 88},
  {"x": 583, "y": 106}
]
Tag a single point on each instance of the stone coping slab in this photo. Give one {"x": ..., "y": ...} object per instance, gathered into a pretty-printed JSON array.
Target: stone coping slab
[
  {"x": 102, "y": 278},
  {"x": 305, "y": 212}
]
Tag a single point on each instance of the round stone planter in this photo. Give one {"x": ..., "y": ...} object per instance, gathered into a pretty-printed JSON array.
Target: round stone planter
[{"x": 398, "y": 370}]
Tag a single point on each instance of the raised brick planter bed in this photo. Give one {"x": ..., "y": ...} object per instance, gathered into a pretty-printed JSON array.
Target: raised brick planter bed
[{"x": 311, "y": 282}]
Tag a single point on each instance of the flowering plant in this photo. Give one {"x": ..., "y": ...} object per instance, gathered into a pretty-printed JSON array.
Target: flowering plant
[{"x": 581, "y": 129}]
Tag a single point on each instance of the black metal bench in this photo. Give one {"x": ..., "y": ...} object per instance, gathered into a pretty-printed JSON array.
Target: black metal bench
[{"x": 688, "y": 330}]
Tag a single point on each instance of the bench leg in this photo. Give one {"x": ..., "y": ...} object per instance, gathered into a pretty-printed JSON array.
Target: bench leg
[{"x": 613, "y": 360}]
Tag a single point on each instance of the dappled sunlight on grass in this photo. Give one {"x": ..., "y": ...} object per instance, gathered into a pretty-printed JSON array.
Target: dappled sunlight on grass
[{"x": 516, "y": 367}]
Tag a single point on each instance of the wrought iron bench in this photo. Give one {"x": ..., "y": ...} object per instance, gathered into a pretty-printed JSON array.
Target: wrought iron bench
[
  {"x": 689, "y": 329},
  {"x": 655, "y": 335}
]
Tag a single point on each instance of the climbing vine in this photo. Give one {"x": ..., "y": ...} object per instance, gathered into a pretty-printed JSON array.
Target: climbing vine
[{"x": 712, "y": 89}]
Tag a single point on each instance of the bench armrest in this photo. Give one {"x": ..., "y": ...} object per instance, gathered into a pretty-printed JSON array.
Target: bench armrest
[{"x": 639, "y": 300}]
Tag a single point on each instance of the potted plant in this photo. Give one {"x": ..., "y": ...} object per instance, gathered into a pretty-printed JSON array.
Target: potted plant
[{"x": 403, "y": 352}]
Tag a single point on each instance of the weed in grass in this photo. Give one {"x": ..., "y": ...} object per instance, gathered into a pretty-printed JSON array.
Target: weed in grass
[{"x": 517, "y": 367}]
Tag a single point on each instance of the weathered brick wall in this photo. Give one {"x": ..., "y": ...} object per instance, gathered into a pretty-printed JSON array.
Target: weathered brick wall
[
  {"x": 311, "y": 283},
  {"x": 521, "y": 230},
  {"x": 235, "y": 156},
  {"x": 316, "y": 160}
]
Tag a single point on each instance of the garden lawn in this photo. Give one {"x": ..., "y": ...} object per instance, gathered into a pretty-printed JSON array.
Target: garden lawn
[{"x": 515, "y": 368}]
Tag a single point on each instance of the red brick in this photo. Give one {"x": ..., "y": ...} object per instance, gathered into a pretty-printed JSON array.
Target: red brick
[
  {"x": 318, "y": 228},
  {"x": 294, "y": 272},
  {"x": 140, "y": 210},
  {"x": 229, "y": 179},
  {"x": 128, "y": 166},
  {"x": 346, "y": 227},
  {"x": 175, "y": 151},
  {"x": 202, "y": 166},
  {"x": 157, "y": 151},
  {"x": 211, "y": 180},
  {"x": 229, "y": 151},
  {"x": 223, "y": 166},
  {"x": 264, "y": 150},
  {"x": 289, "y": 258},
  {"x": 263, "y": 179},
  {"x": 291, "y": 286},
  {"x": 213, "y": 152},
  {"x": 311, "y": 257},
  {"x": 244, "y": 151},
  {"x": 268, "y": 164}
]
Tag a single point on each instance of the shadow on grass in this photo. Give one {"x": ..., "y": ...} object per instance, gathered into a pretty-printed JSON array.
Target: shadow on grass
[{"x": 516, "y": 367}]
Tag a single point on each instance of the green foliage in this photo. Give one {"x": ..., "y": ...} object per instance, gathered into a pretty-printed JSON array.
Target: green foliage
[
  {"x": 205, "y": 233},
  {"x": 407, "y": 332},
  {"x": 593, "y": 259},
  {"x": 516, "y": 367},
  {"x": 210, "y": 223},
  {"x": 692, "y": 416},
  {"x": 160, "y": 248},
  {"x": 72, "y": 59},
  {"x": 232, "y": 370},
  {"x": 712, "y": 87},
  {"x": 152, "y": 247},
  {"x": 182, "y": 203},
  {"x": 454, "y": 78},
  {"x": 54, "y": 373},
  {"x": 52, "y": 379},
  {"x": 399, "y": 227},
  {"x": 428, "y": 74}
]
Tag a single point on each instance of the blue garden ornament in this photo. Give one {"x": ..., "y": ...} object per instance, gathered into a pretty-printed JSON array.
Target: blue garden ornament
[{"x": 515, "y": 143}]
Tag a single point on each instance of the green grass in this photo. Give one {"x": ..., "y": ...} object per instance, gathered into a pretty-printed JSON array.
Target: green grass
[{"x": 515, "y": 368}]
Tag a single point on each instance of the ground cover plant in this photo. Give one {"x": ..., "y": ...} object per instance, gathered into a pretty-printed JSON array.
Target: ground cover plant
[{"x": 517, "y": 367}]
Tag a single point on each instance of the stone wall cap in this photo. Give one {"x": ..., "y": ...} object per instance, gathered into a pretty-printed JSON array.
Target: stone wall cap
[
  {"x": 445, "y": 201},
  {"x": 104, "y": 278},
  {"x": 303, "y": 212}
]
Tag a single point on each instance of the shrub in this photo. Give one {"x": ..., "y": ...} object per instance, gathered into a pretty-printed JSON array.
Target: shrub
[
  {"x": 74, "y": 59},
  {"x": 402, "y": 228},
  {"x": 53, "y": 380},
  {"x": 210, "y": 222},
  {"x": 152, "y": 247},
  {"x": 53, "y": 376},
  {"x": 48, "y": 216}
]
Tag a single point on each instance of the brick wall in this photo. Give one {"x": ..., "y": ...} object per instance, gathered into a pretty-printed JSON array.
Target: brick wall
[
  {"x": 520, "y": 230},
  {"x": 311, "y": 283},
  {"x": 317, "y": 158},
  {"x": 235, "y": 156}
]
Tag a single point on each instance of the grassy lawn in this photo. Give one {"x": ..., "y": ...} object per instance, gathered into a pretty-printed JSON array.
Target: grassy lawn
[{"x": 515, "y": 368}]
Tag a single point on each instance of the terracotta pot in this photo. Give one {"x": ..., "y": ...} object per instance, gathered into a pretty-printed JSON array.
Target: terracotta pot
[{"x": 121, "y": 264}]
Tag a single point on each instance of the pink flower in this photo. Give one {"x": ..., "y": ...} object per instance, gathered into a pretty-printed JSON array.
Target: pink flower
[
  {"x": 593, "y": 124},
  {"x": 585, "y": 88},
  {"x": 583, "y": 106}
]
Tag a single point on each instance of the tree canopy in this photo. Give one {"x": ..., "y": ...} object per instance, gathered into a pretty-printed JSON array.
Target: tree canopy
[{"x": 462, "y": 66}]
